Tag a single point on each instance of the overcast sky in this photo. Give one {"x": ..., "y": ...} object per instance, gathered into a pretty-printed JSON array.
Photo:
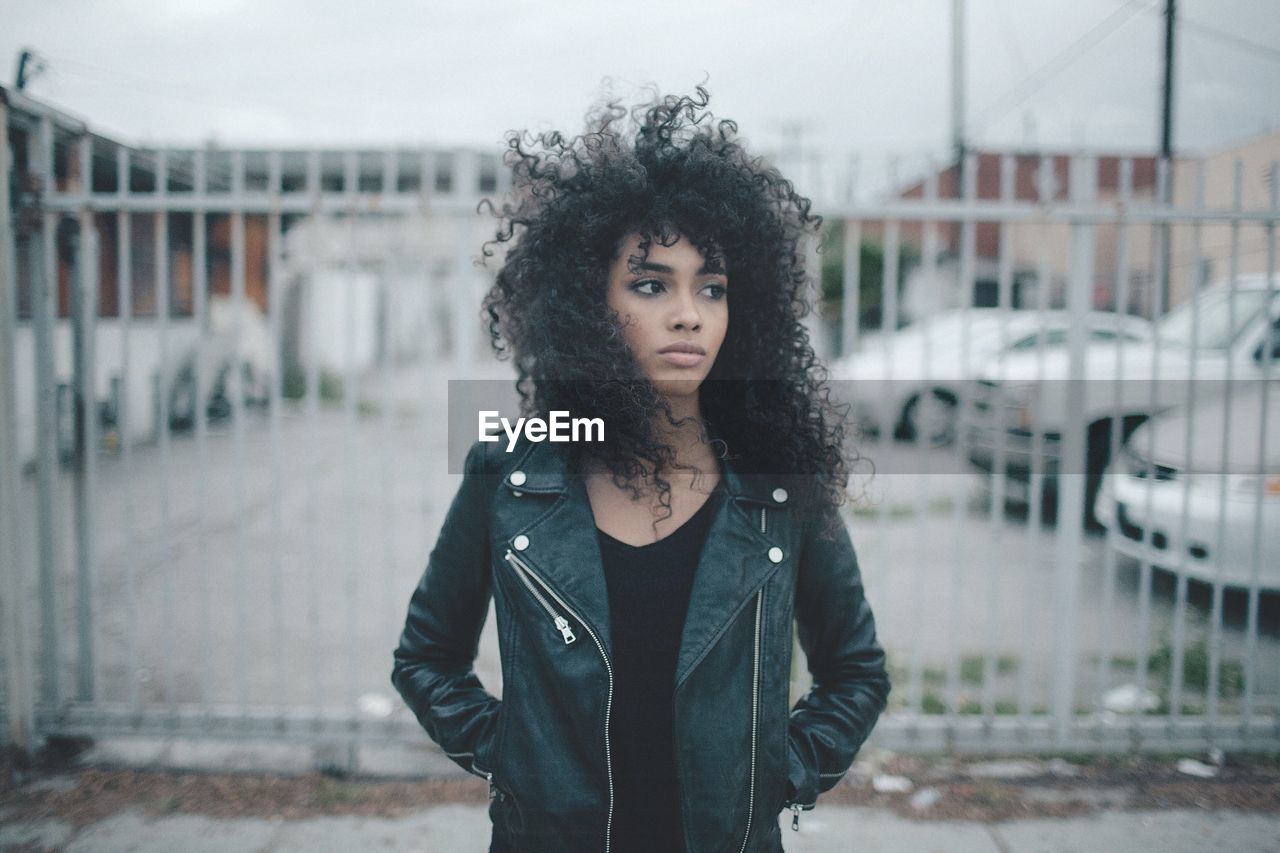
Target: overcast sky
[{"x": 857, "y": 75}]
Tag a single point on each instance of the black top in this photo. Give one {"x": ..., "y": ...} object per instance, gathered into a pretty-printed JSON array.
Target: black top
[{"x": 649, "y": 587}]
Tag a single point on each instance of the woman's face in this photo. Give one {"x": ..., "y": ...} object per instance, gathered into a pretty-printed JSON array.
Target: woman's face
[{"x": 674, "y": 311}]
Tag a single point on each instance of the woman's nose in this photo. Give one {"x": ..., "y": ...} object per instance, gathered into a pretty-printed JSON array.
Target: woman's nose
[{"x": 686, "y": 314}]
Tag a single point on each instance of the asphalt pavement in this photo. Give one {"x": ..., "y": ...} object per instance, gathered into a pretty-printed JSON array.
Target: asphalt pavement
[{"x": 465, "y": 829}]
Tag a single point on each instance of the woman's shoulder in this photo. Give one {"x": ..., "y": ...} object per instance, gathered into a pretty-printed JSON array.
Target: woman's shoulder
[{"x": 496, "y": 458}]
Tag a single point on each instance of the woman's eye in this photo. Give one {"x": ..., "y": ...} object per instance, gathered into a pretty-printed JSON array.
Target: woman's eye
[
  {"x": 648, "y": 287},
  {"x": 716, "y": 291}
]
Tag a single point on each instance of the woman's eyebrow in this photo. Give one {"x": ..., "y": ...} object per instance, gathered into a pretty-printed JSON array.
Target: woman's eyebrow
[{"x": 652, "y": 267}]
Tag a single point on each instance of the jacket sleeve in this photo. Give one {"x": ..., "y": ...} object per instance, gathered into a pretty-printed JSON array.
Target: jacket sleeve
[
  {"x": 433, "y": 665},
  {"x": 850, "y": 684}
]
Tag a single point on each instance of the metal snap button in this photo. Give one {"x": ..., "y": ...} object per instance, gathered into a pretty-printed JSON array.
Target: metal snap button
[
  {"x": 775, "y": 554},
  {"x": 517, "y": 478},
  {"x": 780, "y": 495},
  {"x": 515, "y": 493},
  {"x": 521, "y": 542}
]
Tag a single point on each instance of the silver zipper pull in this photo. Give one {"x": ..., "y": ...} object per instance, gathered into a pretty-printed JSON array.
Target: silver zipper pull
[
  {"x": 795, "y": 816},
  {"x": 493, "y": 789},
  {"x": 565, "y": 631}
]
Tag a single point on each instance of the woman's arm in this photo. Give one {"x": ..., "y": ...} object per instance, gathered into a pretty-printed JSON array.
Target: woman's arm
[
  {"x": 850, "y": 685},
  {"x": 433, "y": 664}
]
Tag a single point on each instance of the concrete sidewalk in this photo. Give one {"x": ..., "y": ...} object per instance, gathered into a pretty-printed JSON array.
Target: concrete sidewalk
[{"x": 465, "y": 829}]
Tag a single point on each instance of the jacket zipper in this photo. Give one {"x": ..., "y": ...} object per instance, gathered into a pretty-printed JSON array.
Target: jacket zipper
[
  {"x": 523, "y": 570},
  {"x": 755, "y": 710},
  {"x": 562, "y": 625}
]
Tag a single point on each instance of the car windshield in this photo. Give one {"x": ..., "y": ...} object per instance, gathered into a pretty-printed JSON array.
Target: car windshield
[{"x": 1216, "y": 330}]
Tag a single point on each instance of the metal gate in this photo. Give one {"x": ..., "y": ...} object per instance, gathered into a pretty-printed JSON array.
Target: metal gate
[{"x": 224, "y": 447}]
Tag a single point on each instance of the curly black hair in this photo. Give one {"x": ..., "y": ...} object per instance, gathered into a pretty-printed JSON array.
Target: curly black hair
[{"x": 672, "y": 171}]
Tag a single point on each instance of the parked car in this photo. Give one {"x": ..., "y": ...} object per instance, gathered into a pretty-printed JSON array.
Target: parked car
[
  {"x": 1023, "y": 403},
  {"x": 217, "y": 352},
  {"x": 914, "y": 379},
  {"x": 1202, "y": 514}
]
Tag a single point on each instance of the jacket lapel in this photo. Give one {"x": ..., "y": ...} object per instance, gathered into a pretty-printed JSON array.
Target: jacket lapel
[{"x": 563, "y": 548}]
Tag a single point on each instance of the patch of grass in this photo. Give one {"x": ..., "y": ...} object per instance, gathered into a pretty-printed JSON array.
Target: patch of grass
[
  {"x": 934, "y": 506},
  {"x": 328, "y": 793},
  {"x": 931, "y": 703},
  {"x": 294, "y": 386},
  {"x": 1195, "y": 668},
  {"x": 993, "y": 795},
  {"x": 971, "y": 667}
]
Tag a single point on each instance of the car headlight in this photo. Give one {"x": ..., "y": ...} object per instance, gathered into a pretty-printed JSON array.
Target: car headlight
[
  {"x": 1019, "y": 400},
  {"x": 1251, "y": 484}
]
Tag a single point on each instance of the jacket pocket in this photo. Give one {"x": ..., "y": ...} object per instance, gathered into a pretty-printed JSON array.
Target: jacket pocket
[{"x": 485, "y": 760}]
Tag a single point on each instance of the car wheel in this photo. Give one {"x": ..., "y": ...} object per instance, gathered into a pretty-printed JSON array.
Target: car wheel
[{"x": 930, "y": 417}]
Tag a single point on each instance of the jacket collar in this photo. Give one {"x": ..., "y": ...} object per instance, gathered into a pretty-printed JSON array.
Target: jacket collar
[
  {"x": 545, "y": 469},
  {"x": 737, "y": 558}
]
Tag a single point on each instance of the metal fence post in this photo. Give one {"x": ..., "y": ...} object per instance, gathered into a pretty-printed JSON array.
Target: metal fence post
[
  {"x": 85, "y": 315},
  {"x": 18, "y": 688},
  {"x": 44, "y": 296},
  {"x": 1083, "y": 183}
]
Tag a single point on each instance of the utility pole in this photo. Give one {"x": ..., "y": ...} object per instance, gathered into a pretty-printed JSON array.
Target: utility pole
[
  {"x": 29, "y": 65},
  {"x": 1166, "y": 145},
  {"x": 957, "y": 92}
]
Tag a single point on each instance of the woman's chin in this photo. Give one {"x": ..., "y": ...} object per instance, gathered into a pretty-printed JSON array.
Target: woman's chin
[{"x": 675, "y": 387}]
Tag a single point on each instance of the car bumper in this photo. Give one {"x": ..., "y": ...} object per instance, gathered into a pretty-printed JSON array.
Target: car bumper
[{"x": 1201, "y": 540}]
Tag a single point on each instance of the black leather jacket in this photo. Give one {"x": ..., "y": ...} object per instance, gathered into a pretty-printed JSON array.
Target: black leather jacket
[{"x": 521, "y": 530}]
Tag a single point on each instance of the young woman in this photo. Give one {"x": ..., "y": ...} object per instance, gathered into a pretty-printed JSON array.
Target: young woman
[{"x": 646, "y": 585}]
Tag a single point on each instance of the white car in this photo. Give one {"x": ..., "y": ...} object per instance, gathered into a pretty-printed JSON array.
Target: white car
[
  {"x": 914, "y": 379},
  {"x": 1024, "y": 405},
  {"x": 1197, "y": 515}
]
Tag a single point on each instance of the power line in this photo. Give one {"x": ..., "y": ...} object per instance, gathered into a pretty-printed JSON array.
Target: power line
[
  {"x": 1261, "y": 50},
  {"x": 1037, "y": 79}
]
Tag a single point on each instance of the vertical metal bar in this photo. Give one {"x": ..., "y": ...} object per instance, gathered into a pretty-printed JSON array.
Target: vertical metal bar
[
  {"x": 1004, "y": 301},
  {"x": 386, "y": 352},
  {"x": 961, "y": 570},
  {"x": 200, "y": 283},
  {"x": 463, "y": 307},
  {"x": 924, "y": 482},
  {"x": 1109, "y": 579},
  {"x": 888, "y": 325},
  {"x": 851, "y": 304},
  {"x": 20, "y": 711},
  {"x": 167, "y": 563},
  {"x": 350, "y": 394},
  {"x": 236, "y": 388},
  {"x": 968, "y": 235},
  {"x": 390, "y": 172},
  {"x": 312, "y": 360},
  {"x": 427, "y": 162},
  {"x": 124, "y": 287},
  {"x": 85, "y": 300},
  {"x": 1268, "y": 363},
  {"x": 275, "y": 284},
  {"x": 889, "y": 283},
  {"x": 1145, "y": 568},
  {"x": 44, "y": 309},
  {"x": 1215, "y": 618},
  {"x": 1071, "y": 464},
  {"x": 1180, "y": 558},
  {"x": 1045, "y": 191}
]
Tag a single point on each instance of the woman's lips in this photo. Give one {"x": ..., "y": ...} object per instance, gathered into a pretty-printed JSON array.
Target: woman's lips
[{"x": 682, "y": 358}]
